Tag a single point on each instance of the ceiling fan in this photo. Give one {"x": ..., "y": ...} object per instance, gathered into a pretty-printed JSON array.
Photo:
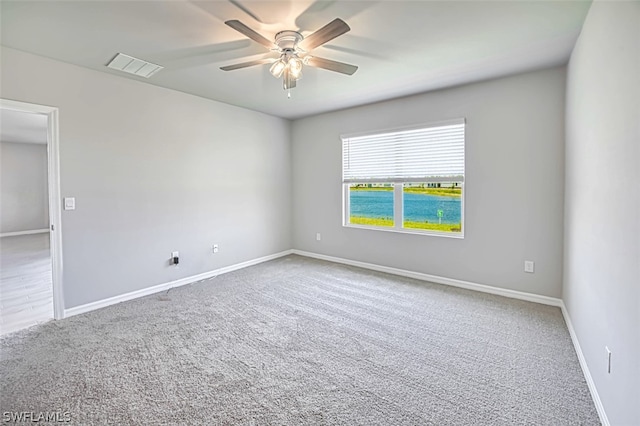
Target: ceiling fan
[{"x": 293, "y": 50}]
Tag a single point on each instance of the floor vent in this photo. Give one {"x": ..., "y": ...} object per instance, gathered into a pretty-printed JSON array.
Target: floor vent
[{"x": 133, "y": 65}]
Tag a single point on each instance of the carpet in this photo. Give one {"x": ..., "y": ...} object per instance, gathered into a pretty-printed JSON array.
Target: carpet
[{"x": 298, "y": 341}]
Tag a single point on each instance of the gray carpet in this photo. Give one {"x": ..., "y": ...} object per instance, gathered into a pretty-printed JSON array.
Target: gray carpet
[{"x": 297, "y": 341}]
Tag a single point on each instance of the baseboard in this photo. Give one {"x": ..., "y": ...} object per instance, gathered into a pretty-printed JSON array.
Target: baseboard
[
  {"x": 76, "y": 310},
  {"x": 585, "y": 368},
  {"x": 545, "y": 300},
  {"x": 17, "y": 233}
]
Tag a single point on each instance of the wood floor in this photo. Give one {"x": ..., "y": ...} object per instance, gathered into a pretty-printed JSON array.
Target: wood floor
[{"x": 26, "y": 292}]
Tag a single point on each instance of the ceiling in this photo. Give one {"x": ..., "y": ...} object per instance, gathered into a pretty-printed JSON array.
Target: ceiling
[
  {"x": 22, "y": 127},
  {"x": 401, "y": 47}
]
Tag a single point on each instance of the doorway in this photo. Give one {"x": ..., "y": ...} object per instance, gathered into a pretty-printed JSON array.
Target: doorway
[{"x": 30, "y": 231}]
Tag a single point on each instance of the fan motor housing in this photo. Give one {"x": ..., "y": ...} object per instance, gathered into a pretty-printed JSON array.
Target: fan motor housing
[{"x": 288, "y": 40}]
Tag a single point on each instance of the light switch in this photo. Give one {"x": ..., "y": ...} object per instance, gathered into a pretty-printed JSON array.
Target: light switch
[{"x": 70, "y": 203}]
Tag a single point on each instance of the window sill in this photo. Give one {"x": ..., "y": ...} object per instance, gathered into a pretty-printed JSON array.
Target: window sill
[{"x": 459, "y": 236}]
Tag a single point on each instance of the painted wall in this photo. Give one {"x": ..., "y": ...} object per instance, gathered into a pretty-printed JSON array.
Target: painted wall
[
  {"x": 514, "y": 183},
  {"x": 155, "y": 171},
  {"x": 24, "y": 204},
  {"x": 602, "y": 205}
]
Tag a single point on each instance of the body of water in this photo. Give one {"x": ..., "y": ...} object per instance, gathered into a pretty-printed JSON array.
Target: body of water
[{"x": 417, "y": 207}]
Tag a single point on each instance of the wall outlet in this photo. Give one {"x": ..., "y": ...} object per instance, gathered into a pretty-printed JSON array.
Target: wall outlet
[
  {"x": 318, "y": 236},
  {"x": 175, "y": 257},
  {"x": 215, "y": 248},
  {"x": 528, "y": 266},
  {"x": 69, "y": 203},
  {"x": 606, "y": 348}
]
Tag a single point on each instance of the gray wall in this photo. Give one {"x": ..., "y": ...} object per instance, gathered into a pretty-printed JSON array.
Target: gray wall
[
  {"x": 514, "y": 183},
  {"x": 153, "y": 171},
  {"x": 602, "y": 207},
  {"x": 24, "y": 203}
]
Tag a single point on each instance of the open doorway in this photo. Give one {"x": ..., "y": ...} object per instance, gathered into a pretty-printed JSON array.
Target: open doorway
[{"x": 30, "y": 243}]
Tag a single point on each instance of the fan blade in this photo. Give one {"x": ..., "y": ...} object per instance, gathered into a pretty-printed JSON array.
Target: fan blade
[
  {"x": 242, "y": 28},
  {"x": 288, "y": 82},
  {"x": 330, "y": 65},
  {"x": 237, "y": 4},
  {"x": 246, "y": 64},
  {"x": 333, "y": 29}
]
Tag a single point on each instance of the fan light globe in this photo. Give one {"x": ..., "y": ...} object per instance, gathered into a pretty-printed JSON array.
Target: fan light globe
[
  {"x": 277, "y": 68},
  {"x": 295, "y": 67}
]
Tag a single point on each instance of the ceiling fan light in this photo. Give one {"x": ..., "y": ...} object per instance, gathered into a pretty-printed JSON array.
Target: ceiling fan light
[
  {"x": 295, "y": 66},
  {"x": 277, "y": 68}
]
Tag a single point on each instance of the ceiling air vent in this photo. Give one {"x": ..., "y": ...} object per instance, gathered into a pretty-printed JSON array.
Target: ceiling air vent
[{"x": 133, "y": 65}]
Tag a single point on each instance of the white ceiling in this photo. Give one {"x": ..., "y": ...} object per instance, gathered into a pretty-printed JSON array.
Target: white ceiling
[
  {"x": 22, "y": 127},
  {"x": 401, "y": 47}
]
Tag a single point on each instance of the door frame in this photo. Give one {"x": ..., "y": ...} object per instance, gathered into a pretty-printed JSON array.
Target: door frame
[{"x": 53, "y": 172}]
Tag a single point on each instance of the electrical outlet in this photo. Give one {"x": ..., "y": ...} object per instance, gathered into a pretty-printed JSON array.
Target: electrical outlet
[
  {"x": 215, "y": 248},
  {"x": 318, "y": 236},
  {"x": 528, "y": 266},
  {"x": 175, "y": 257},
  {"x": 606, "y": 348}
]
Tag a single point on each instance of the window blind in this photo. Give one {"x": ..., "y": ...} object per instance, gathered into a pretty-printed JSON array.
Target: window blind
[{"x": 426, "y": 154}]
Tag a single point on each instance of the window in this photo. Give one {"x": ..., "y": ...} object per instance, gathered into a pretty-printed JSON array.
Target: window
[{"x": 406, "y": 180}]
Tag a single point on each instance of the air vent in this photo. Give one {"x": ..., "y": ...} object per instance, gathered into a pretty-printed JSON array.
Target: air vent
[{"x": 133, "y": 65}]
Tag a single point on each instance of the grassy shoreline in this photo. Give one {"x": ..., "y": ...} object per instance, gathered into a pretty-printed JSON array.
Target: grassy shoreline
[{"x": 388, "y": 222}]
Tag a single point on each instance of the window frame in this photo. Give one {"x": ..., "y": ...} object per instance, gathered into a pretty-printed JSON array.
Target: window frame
[{"x": 398, "y": 186}]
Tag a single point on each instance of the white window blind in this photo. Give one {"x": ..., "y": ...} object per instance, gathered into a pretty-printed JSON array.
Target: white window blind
[{"x": 426, "y": 154}]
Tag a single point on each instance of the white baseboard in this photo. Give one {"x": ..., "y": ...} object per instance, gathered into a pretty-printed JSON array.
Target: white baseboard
[
  {"x": 76, "y": 310},
  {"x": 545, "y": 300},
  {"x": 17, "y": 233},
  {"x": 585, "y": 368}
]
